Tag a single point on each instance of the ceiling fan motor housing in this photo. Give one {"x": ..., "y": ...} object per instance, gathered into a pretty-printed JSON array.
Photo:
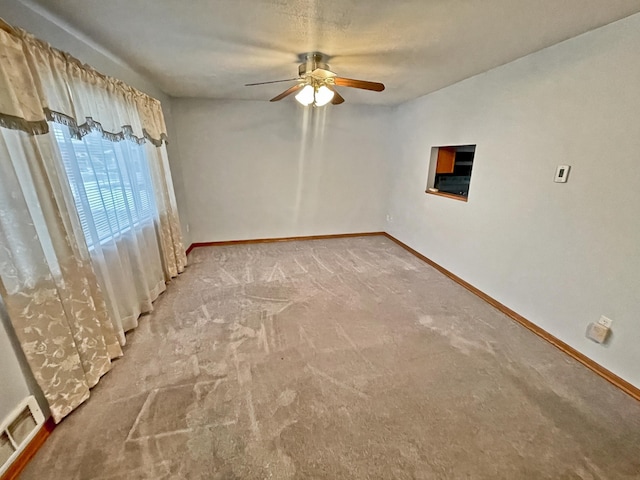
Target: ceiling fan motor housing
[{"x": 311, "y": 62}]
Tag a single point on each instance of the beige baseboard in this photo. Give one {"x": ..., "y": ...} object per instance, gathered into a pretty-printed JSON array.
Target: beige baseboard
[{"x": 280, "y": 239}]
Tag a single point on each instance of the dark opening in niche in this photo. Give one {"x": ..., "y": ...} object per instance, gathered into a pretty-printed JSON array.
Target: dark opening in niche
[{"x": 450, "y": 170}]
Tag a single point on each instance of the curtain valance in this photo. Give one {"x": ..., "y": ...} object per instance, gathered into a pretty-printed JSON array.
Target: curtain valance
[{"x": 39, "y": 83}]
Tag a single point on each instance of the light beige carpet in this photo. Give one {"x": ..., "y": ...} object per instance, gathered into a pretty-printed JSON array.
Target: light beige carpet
[{"x": 339, "y": 359}]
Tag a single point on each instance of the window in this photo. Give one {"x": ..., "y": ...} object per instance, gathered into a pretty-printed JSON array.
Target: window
[
  {"x": 450, "y": 171},
  {"x": 110, "y": 183}
]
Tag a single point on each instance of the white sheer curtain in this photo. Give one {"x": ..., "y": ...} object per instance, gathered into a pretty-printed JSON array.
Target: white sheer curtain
[{"x": 114, "y": 196}]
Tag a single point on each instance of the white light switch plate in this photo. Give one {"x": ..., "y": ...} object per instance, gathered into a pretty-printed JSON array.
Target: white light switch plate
[{"x": 562, "y": 173}]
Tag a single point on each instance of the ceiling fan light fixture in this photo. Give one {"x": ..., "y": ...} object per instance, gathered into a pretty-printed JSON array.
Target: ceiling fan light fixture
[
  {"x": 316, "y": 83},
  {"x": 316, "y": 95},
  {"x": 306, "y": 95},
  {"x": 323, "y": 96}
]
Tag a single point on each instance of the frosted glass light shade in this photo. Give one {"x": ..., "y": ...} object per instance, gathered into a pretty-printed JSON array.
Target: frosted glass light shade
[
  {"x": 306, "y": 95},
  {"x": 323, "y": 95},
  {"x": 318, "y": 96}
]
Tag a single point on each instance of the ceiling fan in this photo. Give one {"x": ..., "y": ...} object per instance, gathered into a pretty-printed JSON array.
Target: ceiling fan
[{"x": 317, "y": 83}]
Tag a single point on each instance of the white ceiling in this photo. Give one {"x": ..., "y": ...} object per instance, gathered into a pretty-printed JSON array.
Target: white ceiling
[{"x": 211, "y": 48}]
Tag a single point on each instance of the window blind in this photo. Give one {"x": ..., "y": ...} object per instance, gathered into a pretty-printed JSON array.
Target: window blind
[{"x": 110, "y": 183}]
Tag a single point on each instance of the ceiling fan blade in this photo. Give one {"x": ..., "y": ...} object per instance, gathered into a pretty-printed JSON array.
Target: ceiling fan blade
[
  {"x": 287, "y": 92},
  {"x": 274, "y": 81},
  {"x": 350, "y": 82},
  {"x": 337, "y": 98}
]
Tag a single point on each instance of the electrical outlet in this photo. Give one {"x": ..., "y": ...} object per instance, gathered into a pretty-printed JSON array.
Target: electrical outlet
[
  {"x": 597, "y": 333},
  {"x": 389, "y": 218},
  {"x": 605, "y": 322}
]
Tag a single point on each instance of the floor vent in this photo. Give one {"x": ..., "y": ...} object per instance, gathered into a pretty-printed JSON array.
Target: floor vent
[{"x": 17, "y": 430}]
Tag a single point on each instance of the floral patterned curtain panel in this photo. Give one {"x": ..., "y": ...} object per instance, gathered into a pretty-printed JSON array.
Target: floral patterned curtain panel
[{"x": 47, "y": 279}]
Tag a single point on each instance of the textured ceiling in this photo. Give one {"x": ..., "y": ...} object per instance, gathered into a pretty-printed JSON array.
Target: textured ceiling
[{"x": 211, "y": 48}]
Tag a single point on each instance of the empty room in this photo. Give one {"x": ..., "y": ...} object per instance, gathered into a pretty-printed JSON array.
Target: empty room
[{"x": 319, "y": 239}]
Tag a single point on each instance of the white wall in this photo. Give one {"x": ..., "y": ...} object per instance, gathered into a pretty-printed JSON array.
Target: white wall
[
  {"x": 260, "y": 169},
  {"x": 37, "y": 21},
  {"x": 559, "y": 254},
  {"x": 13, "y": 384}
]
